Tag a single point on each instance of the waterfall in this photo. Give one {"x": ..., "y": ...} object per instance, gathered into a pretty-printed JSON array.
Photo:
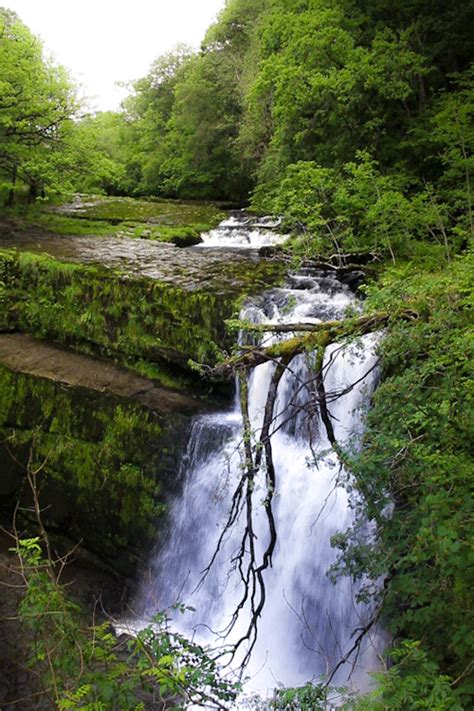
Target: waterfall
[
  {"x": 242, "y": 231},
  {"x": 307, "y": 622}
]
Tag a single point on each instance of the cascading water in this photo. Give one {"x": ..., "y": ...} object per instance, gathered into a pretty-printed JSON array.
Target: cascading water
[
  {"x": 242, "y": 231},
  {"x": 307, "y": 622}
]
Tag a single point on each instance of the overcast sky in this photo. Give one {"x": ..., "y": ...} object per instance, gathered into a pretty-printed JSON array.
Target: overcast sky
[{"x": 104, "y": 41}]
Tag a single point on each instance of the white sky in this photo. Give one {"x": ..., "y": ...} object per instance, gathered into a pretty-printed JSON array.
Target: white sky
[{"x": 104, "y": 41}]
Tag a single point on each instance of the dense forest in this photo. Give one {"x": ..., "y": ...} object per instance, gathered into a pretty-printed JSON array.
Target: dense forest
[{"x": 353, "y": 120}]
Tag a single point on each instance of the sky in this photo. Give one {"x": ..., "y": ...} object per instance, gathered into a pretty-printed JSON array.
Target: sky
[{"x": 105, "y": 41}]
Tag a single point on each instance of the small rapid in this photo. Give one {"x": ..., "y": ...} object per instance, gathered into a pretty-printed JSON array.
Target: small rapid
[
  {"x": 307, "y": 623},
  {"x": 242, "y": 231}
]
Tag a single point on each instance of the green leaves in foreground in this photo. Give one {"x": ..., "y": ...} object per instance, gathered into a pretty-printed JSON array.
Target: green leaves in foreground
[{"x": 85, "y": 666}]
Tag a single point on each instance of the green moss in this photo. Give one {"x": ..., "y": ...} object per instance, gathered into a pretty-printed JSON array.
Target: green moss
[
  {"x": 80, "y": 305},
  {"x": 110, "y": 464},
  {"x": 164, "y": 220},
  {"x": 161, "y": 374},
  {"x": 181, "y": 236},
  {"x": 135, "y": 320},
  {"x": 164, "y": 212},
  {"x": 64, "y": 225}
]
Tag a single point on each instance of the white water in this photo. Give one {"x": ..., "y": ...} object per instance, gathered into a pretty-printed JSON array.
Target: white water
[
  {"x": 307, "y": 622},
  {"x": 243, "y": 231}
]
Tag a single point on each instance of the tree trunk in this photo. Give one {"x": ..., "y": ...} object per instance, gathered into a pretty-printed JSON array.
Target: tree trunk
[
  {"x": 32, "y": 193},
  {"x": 11, "y": 192}
]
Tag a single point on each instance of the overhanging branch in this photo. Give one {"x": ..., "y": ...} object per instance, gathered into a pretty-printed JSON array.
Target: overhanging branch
[{"x": 313, "y": 336}]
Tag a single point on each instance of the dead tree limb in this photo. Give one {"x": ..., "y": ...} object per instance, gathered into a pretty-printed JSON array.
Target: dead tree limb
[
  {"x": 313, "y": 335},
  {"x": 358, "y": 635},
  {"x": 250, "y": 563}
]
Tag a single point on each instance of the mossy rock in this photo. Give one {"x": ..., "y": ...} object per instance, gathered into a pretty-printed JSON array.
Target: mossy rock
[
  {"x": 109, "y": 466},
  {"x": 173, "y": 221},
  {"x": 170, "y": 318}
]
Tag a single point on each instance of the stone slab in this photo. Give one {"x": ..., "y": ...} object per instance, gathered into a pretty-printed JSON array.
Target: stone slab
[{"x": 25, "y": 354}]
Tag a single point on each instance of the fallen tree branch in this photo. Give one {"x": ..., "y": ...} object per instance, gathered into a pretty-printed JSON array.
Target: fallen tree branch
[
  {"x": 313, "y": 336},
  {"x": 365, "y": 322}
]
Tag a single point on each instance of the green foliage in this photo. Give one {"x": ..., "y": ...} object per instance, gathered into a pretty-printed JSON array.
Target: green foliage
[
  {"x": 87, "y": 667},
  {"x": 148, "y": 111},
  {"x": 303, "y": 698},
  {"x": 415, "y": 470},
  {"x": 200, "y": 162},
  {"x": 363, "y": 111},
  {"x": 102, "y": 144},
  {"x": 357, "y": 208},
  {"x": 452, "y": 134},
  {"x": 354, "y": 122},
  {"x": 84, "y": 666},
  {"x": 414, "y": 682},
  {"x": 36, "y": 108}
]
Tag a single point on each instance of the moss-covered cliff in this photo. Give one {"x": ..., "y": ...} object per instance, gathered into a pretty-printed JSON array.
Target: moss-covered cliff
[
  {"x": 106, "y": 465},
  {"x": 175, "y": 316}
]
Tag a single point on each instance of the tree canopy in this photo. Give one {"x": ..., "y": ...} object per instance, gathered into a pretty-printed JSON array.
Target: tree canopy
[
  {"x": 37, "y": 103},
  {"x": 352, "y": 119}
]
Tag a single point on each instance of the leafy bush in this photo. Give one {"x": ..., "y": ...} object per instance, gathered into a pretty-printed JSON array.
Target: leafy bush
[{"x": 85, "y": 666}]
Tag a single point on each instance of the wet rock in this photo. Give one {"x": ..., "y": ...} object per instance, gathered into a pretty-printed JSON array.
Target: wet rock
[
  {"x": 353, "y": 279},
  {"x": 132, "y": 299}
]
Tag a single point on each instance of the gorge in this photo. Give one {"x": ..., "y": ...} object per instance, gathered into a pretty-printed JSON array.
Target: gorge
[{"x": 193, "y": 463}]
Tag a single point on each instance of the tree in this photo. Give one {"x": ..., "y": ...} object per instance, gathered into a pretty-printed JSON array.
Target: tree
[
  {"x": 100, "y": 155},
  {"x": 452, "y": 133},
  {"x": 145, "y": 122},
  {"x": 37, "y": 103}
]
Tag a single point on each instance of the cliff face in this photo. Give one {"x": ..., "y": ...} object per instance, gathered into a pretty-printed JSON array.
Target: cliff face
[{"x": 106, "y": 465}]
